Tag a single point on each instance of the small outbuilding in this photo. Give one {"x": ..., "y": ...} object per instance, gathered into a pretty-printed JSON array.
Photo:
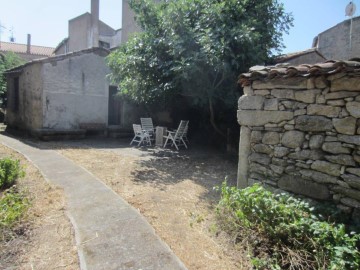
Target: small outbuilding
[{"x": 62, "y": 94}]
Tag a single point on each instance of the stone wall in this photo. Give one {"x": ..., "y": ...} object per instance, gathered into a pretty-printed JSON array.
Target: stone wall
[{"x": 301, "y": 133}]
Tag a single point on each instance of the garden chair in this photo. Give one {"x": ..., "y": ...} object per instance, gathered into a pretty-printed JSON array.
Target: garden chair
[
  {"x": 147, "y": 125},
  {"x": 140, "y": 135},
  {"x": 177, "y": 137}
]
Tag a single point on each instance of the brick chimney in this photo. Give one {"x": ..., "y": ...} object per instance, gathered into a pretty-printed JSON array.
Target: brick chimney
[
  {"x": 28, "y": 47},
  {"x": 94, "y": 23}
]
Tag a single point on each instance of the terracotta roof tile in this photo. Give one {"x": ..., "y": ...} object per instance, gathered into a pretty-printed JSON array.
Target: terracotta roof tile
[
  {"x": 285, "y": 70},
  {"x": 22, "y": 48}
]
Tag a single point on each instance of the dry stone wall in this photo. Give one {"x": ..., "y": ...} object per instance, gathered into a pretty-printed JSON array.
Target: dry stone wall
[{"x": 302, "y": 135}]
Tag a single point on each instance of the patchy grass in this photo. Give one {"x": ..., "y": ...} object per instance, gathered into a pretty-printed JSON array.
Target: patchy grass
[{"x": 282, "y": 232}]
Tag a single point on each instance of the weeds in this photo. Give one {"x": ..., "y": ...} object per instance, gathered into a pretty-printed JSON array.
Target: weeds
[
  {"x": 284, "y": 232},
  {"x": 10, "y": 171},
  {"x": 13, "y": 203}
]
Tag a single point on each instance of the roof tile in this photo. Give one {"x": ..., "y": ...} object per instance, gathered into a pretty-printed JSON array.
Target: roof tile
[
  {"x": 22, "y": 48},
  {"x": 285, "y": 70}
]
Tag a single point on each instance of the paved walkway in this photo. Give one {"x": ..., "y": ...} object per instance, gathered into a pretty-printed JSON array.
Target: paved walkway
[{"x": 110, "y": 234}]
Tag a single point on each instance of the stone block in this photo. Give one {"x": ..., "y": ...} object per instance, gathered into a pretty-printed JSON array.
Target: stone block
[
  {"x": 256, "y": 136},
  {"x": 340, "y": 95},
  {"x": 355, "y": 171},
  {"x": 281, "y": 151},
  {"x": 321, "y": 82},
  {"x": 293, "y": 139},
  {"x": 277, "y": 169},
  {"x": 336, "y": 102},
  {"x": 342, "y": 159},
  {"x": 345, "y": 125},
  {"x": 262, "y": 92},
  {"x": 300, "y": 112},
  {"x": 271, "y": 138},
  {"x": 348, "y": 84},
  {"x": 329, "y": 111},
  {"x": 349, "y": 139},
  {"x": 307, "y": 154},
  {"x": 326, "y": 167},
  {"x": 260, "y": 118},
  {"x": 289, "y": 127},
  {"x": 313, "y": 123},
  {"x": 319, "y": 176},
  {"x": 281, "y": 83},
  {"x": 260, "y": 158},
  {"x": 263, "y": 148},
  {"x": 352, "y": 180},
  {"x": 300, "y": 186},
  {"x": 316, "y": 141},
  {"x": 279, "y": 162},
  {"x": 280, "y": 93},
  {"x": 352, "y": 193},
  {"x": 353, "y": 108},
  {"x": 251, "y": 102},
  {"x": 248, "y": 91},
  {"x": 308, "y": 96},
  {"x": 271, "y": 104},
  {"x": 288, "y": 104},
  {"x": 350, "y": 202},
  {"x": 260, "y": 169},
  {"x": 335, "y": 148}
]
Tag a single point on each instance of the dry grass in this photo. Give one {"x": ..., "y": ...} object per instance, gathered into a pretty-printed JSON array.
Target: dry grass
[
  {"x": 46, "y": 239},
  {"x": 175, "y": 194}
]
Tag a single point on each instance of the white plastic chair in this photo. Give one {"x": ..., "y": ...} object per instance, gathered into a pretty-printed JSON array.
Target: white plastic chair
[
  {"x": 147, "y": 125},
  {"x": 140, "y": 135},
  {"x": 177, "y": 137}
]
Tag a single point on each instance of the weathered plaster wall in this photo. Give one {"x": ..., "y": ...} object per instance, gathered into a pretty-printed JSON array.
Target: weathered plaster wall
[
  {"x": 79, "y": 33},
  {"x": 29, "y": 113},
  {"x": 335, "y": 43},
  {"x": 75, "y": 92},
  {"x": 302, "y": 134}
]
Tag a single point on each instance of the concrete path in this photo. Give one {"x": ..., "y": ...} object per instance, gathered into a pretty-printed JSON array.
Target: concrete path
[{"x": 110, "y": 234}]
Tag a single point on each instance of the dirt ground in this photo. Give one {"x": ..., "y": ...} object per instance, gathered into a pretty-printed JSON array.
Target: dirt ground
[
  {"x": 46, "y": 240},
  {"x": 173, "y": 190}
]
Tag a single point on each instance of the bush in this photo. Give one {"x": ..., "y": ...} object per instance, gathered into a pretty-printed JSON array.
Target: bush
[
  {"x": 284, "y": 232},
  {"x": 10, "y": 171},
  {"x": 13, "y": 205}
]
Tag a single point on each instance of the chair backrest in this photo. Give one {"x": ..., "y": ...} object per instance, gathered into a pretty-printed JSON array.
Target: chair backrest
[
  {"x": 147, "y": 124},
  {"x": 137, "y": 129},
  {"x": 182, "y": 129}
]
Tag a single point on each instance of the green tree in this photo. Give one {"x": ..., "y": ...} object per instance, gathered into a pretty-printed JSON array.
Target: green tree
[
  {"x": 197, "y": 48},
  {"x": 7, "y": 61}
]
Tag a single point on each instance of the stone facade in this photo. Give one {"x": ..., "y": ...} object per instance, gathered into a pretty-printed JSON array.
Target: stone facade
[
  {"x": 60, "y": 92},
  {"x": 300, "y": 131}
]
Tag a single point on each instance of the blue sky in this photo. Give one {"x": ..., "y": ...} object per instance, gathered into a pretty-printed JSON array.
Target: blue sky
[{"x": 47, "y": 20}]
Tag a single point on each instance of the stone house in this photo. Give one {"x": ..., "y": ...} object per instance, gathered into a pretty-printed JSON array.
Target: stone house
[
  {"x": 300, "y": 131},
  {"x": 65, "y": 94},
  {"x": 310, "y": 56}
]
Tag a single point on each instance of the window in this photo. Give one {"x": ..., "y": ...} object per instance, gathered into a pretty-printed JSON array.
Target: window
[
  {"x": 104, "y": 44},
  {"x": 16, "y": 95}
]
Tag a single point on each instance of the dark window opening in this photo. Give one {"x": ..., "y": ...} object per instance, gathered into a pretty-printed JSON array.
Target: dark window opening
[
  {"x": 104, "y": 44},
  {"x": 16, "y": 94}
]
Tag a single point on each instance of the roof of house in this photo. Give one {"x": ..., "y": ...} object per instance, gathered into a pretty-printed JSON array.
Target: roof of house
[
  {"x": 286, "y": 57},
  {"x": 22, "y": 48},
  {"x": 285, "y": 70},
  {"x": 98, "y": 50}
]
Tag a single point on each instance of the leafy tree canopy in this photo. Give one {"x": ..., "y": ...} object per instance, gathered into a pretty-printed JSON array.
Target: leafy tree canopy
[
  {"x": 7, "y": 61},
  {"x": 197, "y": 48}
]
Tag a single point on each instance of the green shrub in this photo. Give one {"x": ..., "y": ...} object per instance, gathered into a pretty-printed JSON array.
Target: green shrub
[
  {"x": 10, "y": 171},
  {"x": 284, "y": 232},
  {"x": 13, "y": 205}
]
